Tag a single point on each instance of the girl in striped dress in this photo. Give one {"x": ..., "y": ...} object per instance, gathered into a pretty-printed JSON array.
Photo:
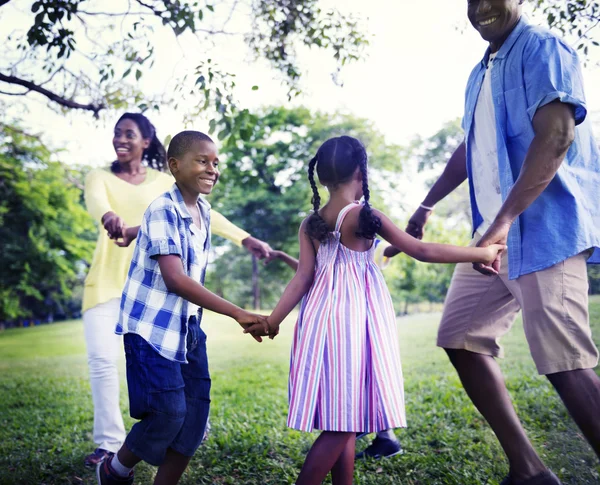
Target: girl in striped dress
[{"x": 345, "y": 372}]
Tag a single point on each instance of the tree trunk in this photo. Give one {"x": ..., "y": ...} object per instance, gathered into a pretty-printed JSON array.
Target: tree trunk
[{"x": 255, "y": 283}]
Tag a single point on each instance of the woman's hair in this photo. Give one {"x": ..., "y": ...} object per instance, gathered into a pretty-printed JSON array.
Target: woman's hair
[
  {"x": 155, "y": 155},
  {"x": 336, "y": 162}
]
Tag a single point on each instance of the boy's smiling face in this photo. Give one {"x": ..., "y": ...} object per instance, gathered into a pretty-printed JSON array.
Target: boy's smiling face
[{"x": 197, "y": 170}]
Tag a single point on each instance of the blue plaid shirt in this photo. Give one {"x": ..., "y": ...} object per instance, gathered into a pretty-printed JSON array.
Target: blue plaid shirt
[
  {"x": 532, "y": 68},
  {"x": 147, "y": 307}
]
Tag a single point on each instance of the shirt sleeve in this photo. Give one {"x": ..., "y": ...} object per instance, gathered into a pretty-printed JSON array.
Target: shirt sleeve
[
  {"x": 221, "y": 226},
  {"x": 96, "y": 197},
  {"x": 552, "y": 71},
  {"x": 161, "y": 228}
]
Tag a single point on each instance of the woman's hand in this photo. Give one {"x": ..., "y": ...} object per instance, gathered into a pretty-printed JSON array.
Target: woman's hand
[{"x": 113, "y": 224}]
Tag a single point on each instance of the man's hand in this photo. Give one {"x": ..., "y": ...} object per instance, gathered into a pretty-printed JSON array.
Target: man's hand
[
  {"x": 496, "y": 234},
  {"x": 416, "y": 223},
  {"x": 258, "y": 248}
]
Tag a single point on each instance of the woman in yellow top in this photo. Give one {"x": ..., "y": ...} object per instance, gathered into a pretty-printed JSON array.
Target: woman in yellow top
[{"x": 117, "y": 198}]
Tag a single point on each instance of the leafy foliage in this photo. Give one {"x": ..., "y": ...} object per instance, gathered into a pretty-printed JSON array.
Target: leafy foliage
[
  {"x": 46, "y": 233},
  {"x": 576, "y": 18},
  {"x": 94, "y": 54},
  {"x": 264, "y": 188}
]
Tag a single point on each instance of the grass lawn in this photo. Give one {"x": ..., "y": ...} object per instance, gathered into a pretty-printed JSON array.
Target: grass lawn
[{"x": 46, "y": 413}]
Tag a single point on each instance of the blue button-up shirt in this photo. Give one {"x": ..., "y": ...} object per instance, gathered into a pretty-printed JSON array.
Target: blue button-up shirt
[
  {"x": 148, "y": 308},
  {"x": 533, "y": 68}
]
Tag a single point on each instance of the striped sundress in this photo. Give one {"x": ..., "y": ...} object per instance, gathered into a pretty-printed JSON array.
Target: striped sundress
[{"x": 345, "y": 371}]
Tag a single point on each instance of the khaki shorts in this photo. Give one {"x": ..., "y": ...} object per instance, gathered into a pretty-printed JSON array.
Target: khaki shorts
[{"x": 480, "y": 309}]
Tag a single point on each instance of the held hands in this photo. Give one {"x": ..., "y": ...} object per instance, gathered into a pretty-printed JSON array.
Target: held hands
[
  {"x": 255, "y": 325},
  {"x": 257, "y": 248},
  {"x": 495, "y": 239},
  {"x": 113, "y": 224},
  {"x": 128, "y": 235},
  {"x": 416, "y": 223},
  {"x": 258, "y": 330}
]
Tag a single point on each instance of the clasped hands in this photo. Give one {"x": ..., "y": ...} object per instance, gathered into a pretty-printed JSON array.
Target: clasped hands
[{"x": 257, "y": 326}]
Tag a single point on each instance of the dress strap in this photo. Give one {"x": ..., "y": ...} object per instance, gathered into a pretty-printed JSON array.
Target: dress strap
[{"x": 343, "y": 213}]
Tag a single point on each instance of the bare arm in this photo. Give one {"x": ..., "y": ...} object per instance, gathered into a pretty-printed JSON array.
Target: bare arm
[
  {"x": 453, "y": 175},
  {"x": 554, "y": 127},
  {"x": 176, "y": 281},
  {"x": 283, "y": 256},
  {"x": 300, "y": 283},
  {"x": 433, "y": 252}
]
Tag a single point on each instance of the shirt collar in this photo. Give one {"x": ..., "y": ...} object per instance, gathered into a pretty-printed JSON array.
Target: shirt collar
[
  {"x": 509, "y": 42},
  {"x": 176, "y": 196}
]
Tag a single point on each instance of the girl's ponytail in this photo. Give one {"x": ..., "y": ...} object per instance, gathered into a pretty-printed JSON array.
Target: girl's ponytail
[{"x": 369, "y": 224}]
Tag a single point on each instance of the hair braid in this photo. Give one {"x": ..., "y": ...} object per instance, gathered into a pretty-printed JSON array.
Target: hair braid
[
  {"x": 316, "y": 227},
  {"x": 368, "y": 223}
]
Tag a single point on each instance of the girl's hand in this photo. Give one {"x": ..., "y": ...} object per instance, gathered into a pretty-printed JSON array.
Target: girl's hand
[
  {"x": 255, "y": 325},
  {"x": 490, "y": 255}
]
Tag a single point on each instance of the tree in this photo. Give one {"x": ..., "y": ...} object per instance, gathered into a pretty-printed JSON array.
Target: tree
[
  {"x": 264, "y": 188},
  {"x": 576, "y": 18},
  {"x": 47, "y": 236},
  {"x": 90, "y": 55}
]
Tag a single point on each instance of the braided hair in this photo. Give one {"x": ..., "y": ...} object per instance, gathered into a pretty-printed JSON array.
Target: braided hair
[
  {"x": 155, "y": 155},
  {"x": 336, "y": 162}
]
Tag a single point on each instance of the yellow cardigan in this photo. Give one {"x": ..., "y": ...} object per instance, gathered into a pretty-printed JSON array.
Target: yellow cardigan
[{"x": 106, "y": 192}]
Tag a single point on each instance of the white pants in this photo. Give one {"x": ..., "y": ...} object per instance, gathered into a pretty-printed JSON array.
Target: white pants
[{"x": 104, "y": 348}]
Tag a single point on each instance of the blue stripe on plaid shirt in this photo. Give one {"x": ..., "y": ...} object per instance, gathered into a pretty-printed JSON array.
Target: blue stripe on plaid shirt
[{"x": 147, "y": 307}]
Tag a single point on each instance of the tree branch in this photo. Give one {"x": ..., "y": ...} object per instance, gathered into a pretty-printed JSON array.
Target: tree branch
[{"x": 95, "y": 108}]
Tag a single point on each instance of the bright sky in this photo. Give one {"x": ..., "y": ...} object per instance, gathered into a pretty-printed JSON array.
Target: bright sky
[{"x": 412, "y": 82}]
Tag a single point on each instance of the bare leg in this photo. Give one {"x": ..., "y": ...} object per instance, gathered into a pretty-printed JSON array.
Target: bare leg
[
  {"x": 322, "y": 457},
  {"x": 580, "y": 391},
  {"x": 127, "y": 458},
  {"x": 172, "y": 468},
  {"x": 484, "y": 383},
  {"x": 342, "y": 472}
]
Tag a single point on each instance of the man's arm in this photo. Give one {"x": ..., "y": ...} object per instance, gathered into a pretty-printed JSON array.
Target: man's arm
[
  {"x": 453, "y": 175},
  {"x": 554, "y": 127}
]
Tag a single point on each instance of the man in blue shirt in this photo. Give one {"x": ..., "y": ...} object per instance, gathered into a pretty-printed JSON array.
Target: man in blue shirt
[{"x": 534, "y": 177}]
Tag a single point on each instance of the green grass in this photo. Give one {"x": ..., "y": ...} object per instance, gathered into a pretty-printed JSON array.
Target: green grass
[{"x": 46, "y": 413}]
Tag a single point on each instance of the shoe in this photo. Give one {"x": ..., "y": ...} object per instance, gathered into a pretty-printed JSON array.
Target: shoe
[
  {"x": 361, "y": 435},
  {"x": 106, "y": 476},
  {"x": 544, "y": 478},
  {"x": 381, "y": 448},
  {"x": 96, "y": 457}
]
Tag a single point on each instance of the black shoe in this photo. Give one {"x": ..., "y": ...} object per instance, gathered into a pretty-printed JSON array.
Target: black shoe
[
  {"x": 361, "y": 434},
  {"x": 106, "y": 476},
  {"x": 381, "y": 448},
  {"x": 98, "y": 456}
]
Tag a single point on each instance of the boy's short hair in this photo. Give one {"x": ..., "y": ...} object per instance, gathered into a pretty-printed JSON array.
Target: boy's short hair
[{"x": 182, "y": 142}]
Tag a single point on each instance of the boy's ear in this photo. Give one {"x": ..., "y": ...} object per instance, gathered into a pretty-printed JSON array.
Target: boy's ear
[{"x": 173, "y": 165}]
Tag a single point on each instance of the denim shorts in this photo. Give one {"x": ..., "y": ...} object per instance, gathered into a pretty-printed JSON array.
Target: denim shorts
[{"x": 170, "y": 399}]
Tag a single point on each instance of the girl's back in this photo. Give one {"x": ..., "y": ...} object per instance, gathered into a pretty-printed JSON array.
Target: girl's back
[{"x": 345, "y": 367}]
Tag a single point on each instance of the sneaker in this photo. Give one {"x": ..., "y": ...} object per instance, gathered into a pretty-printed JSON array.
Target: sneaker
[
  {"x": 106, "y": 476},
  {"x": 381, "y": 448},
  {"x": 96, "y": 457},
  {"x": 544, "y": 478}
]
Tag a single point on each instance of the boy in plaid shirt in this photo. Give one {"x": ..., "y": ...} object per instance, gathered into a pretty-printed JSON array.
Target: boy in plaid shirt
[{"x": 161, "y": 309}]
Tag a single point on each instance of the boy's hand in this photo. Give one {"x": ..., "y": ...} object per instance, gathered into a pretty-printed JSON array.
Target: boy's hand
[
  {"x": 252, "y": 320},
  {"x": 127, "y": 236},
  {"x": 258, "y": 329}
]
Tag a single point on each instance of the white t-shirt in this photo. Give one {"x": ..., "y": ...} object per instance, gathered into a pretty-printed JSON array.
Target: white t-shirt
[
  {"x": 199, "y": 236},
  {"x": 484, "y": 154}
]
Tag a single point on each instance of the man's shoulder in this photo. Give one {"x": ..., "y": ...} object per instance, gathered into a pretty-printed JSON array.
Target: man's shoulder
[{"x": 534, "y": 35}]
